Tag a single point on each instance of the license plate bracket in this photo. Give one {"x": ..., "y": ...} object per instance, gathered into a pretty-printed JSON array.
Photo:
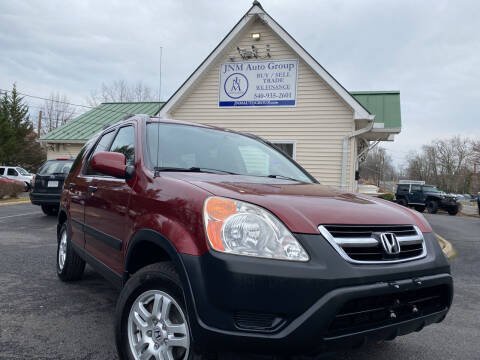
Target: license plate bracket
[{"x": 52, "y": 183}]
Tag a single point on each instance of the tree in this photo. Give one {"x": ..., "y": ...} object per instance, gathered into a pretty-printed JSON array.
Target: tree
[
  {"x": 121, "y": 91},
  {"x": 447, "y": 163},
  {"x": 18, "y": 144},
  {"x": 56, "y": 111},
  {"x": 378, "y": 167}
]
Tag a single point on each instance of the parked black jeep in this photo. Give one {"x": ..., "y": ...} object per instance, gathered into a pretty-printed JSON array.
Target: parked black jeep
[{"x": 421, "y": 196}]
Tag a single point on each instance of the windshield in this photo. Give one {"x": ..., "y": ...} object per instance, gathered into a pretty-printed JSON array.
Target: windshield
[
  {"x": 431, "y": 189},
  {"x": 22, "y": 171},
  {"x": 185, "y": 147},
  {"x": 55, "y": 167}
]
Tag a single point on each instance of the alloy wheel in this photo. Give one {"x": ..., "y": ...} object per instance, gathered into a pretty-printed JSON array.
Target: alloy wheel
[
  {"x": 62, "y": 250},
  {"x": 157, "y": 328}
]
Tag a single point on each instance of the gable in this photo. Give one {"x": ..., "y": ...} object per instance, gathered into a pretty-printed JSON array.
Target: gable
[
  {"x": 254, "y": 15},
  {"x": 201, "y": 101}
]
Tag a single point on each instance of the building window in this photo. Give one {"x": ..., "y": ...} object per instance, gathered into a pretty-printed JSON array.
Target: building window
[{"x": 288, "y": 147}]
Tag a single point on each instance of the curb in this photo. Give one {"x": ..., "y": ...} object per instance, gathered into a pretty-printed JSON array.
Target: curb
[
  {"x": 446, "y": 246},
  {"x": 14, "y": 202}
]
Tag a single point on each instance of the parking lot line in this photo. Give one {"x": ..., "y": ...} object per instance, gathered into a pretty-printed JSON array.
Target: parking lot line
[{"x": 10, "y": 216}]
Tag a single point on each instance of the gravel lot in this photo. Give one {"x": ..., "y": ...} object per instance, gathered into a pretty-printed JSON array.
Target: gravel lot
[{"x": 43, "y": 318}]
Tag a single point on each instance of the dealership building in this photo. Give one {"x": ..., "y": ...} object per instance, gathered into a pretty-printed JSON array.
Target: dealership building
[{"x": 260, "y": 80}]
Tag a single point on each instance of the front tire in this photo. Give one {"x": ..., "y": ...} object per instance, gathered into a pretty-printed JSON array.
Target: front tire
[
  {"x": 70, "y": 266},
  {"x": 432, "y": 206},
  {"x": 453, "y": 211},
  {"x": 402, "y": 202},
  {"x": 151, "y": 318}
]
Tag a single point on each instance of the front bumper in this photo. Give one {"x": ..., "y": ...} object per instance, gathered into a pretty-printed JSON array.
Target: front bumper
[
  {"x": 449, "y": 203},
  {"x": 258, "y": 305},
  {"x": 45, "y": 198}
]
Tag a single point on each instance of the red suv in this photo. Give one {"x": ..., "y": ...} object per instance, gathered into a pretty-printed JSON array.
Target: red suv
[{"x": 219, "y": 241}]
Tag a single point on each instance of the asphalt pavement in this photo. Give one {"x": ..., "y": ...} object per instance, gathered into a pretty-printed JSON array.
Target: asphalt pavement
[{"x": 44, "y": 318}]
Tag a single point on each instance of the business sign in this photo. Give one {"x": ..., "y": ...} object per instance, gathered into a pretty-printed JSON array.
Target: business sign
[{"x": 258, "y": 83}]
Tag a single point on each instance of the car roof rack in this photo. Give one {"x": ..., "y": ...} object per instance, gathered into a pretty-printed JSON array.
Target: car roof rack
[{"x": 411, "y": 182}]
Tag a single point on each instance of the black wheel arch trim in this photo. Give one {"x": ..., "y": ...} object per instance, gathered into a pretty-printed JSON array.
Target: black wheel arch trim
[
  {"x": 62, "y": 210},
  {"x": 152, "y": 236}
]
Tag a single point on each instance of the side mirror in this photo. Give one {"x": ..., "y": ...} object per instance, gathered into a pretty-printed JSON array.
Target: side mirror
[{"x": 111, "y": 163}]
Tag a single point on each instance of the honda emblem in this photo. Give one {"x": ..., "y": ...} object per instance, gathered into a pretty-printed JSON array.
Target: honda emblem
[{"x": 390, "y": 243}]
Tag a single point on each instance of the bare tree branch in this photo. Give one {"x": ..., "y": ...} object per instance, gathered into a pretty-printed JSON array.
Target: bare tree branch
[
  {"x": 120, "y": 91},
  {"x": 55, "y": 112}
]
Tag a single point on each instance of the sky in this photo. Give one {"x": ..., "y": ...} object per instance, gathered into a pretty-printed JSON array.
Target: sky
[{"x": 429, "y": 50}]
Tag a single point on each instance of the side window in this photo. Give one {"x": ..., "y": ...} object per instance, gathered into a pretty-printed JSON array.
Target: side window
[
  {"x": 12, "y": 172},
  {"x": 124, "y": 143},
  {"x": 79, "y": 158},
  {"x": 2, "y": 171},
  {"x": 416, "y": 188},
  {"x": 102, "y": 145},
  {"x": 402, "y": 188}
]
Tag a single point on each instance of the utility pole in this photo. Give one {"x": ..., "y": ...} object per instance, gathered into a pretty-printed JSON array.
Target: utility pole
[
  {"x": 160, "y": 84},
  {"x": 39, "y": 123}
]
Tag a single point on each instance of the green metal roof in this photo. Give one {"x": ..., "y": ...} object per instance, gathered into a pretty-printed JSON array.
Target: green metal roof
[
  {"x": 88, "y": 124},
  {"x": 384, "y": 104}
]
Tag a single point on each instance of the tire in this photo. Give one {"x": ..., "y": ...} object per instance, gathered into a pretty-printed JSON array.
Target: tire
[
  {"x": 50, "y": 210},
  {"x": 453, "y": 211},
  {"x": 420, "y": 208},
  {"x": 147, "y": 289},
  {"x": 70, "y": 266},
  {"x": 402, "y": 202},
  {"x": 432, "y": 206}
]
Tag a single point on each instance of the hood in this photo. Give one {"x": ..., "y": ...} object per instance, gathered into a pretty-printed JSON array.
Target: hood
[{"x": 303, "y": 207}]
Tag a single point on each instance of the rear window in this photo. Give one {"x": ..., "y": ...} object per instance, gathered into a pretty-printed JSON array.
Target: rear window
[{"x": 55, "y": 167}]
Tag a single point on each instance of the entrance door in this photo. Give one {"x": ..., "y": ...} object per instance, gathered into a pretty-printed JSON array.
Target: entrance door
[{"x": 106, "y": 207}]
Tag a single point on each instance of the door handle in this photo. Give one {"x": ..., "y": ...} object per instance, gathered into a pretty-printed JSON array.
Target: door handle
[
  {"x": 92, "y": 188},
  {"x": 71, "y": 186}
]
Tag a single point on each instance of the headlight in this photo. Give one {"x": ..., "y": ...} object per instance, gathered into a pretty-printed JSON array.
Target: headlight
[{"x": 240, "y": 228}]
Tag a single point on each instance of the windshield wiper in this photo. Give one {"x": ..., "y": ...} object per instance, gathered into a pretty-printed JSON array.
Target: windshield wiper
[
  {"x": 278, "y": 176},
  {"x": 191, "y": 169}
]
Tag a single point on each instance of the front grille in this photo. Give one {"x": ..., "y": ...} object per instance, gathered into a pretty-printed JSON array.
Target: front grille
[
  {"x": 361, "y": 243},
  {"x": 375, "y": 311},
  {"x": 257, "y": 321}
]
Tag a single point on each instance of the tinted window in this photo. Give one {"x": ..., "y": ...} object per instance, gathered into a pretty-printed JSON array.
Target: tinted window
[
  {"x": 2, "y": 171},
  {"x": 102, "y": 145},
  {"x": 416, "y": 188},
  {"x": 124, "y": 143},
  {"x": 183, "y": 146},
  {"x": 12, "y": 172},
  {"x": 55, "y": 167}
]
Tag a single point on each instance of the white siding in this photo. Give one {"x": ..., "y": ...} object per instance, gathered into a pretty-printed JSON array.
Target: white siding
[
  {"x": 57, "y": 151},
  {"x": 318, "y": 123}
]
